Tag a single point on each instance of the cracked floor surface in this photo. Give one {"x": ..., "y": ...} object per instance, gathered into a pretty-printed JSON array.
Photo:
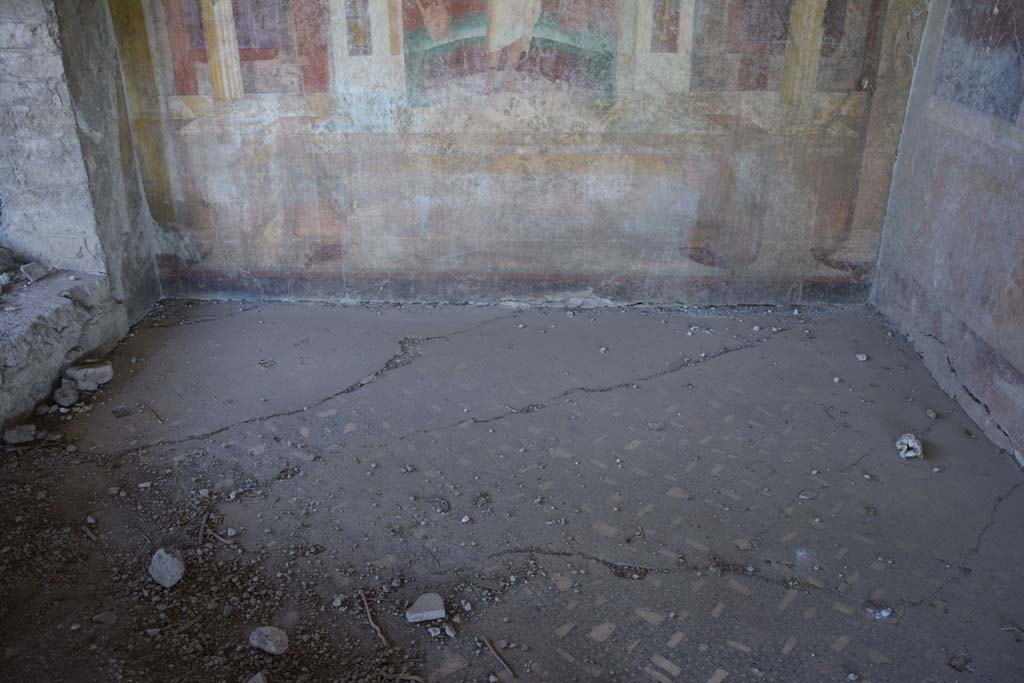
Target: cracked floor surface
[{"x": 624, "y": 495}]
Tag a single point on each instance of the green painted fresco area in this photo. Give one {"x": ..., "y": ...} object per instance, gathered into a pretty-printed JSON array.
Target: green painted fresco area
[
  {"x": 548, "y": 28},
  {"x": 595, "y": 49}
]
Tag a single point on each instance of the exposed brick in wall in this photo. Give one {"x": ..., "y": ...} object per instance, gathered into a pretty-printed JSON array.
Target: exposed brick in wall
[{"x": 47, "y": 212}]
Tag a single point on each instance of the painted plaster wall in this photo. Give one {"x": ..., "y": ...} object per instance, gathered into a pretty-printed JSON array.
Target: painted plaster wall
[
  {"x": 695, "y": 150},
  {"x": 951, "y": 271},
  {"x": 46, "y": 211}
]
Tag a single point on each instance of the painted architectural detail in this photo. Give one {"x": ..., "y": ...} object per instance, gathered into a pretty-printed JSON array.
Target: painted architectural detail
[
  {"x": 848, "y": 45},
  {"x": 800, "y": 75},
  {"x": 395, "y": 26},
  {"x": 740, "y": 44},
  {"x": 184, "y": 35},
  {"x": 481, "y": 46},
  {"x": 553, "y": 143},
  {"x": 661, "y": 59},
  {"x": 312, "y": 35},
  {"x": 665, "y": 32},
  {"x": 222, "y": 49},
  {"x": 258, "y": 24},
  {"x": 357, "y": 22},
  {"x": 278, "y": 46}
]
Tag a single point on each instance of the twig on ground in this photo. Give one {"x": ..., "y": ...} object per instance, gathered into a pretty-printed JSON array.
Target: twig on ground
[
  {"x": 202, "y": 527},
  {"x": 500, "y": 659},
  {"x": 225, "y": 541},
  {"x": 369, "y": 616},
  {"x": 432, "y": 556},
  {"x": 155, "y": 414}
]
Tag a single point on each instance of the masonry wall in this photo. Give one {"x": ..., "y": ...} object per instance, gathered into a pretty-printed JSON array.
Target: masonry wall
[
  {"x": 71, "y": 195},
  {"x": 46, "y": 211},
  {"x": 707, "y": 151},
  {"x": 123, "y": 222},
  {"x": 951, "y": 271}
]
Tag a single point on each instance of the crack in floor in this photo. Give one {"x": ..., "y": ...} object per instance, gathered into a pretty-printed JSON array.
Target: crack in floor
[
  {"x": 715, "y": 567},
  {"x": 409, "y": 351},
  {"x": 529, "y": 408},
  {"x": 970, "y": 394},
  {"x": 963, "y": 565},
  {"x": 200, "y": 320},
  {"x": 993, "y": 513},
  {"x": 620, "y": 569}
]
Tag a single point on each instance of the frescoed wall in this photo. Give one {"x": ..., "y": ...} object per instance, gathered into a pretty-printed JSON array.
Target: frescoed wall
[
  {"x": 524, "y": 46},
  {"x": 269, "y": 42},
  {"x": 740, "y": 45},
  {"x": 694, "y": 150}
]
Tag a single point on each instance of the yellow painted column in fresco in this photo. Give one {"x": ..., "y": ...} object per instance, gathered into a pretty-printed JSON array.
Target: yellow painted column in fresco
[
  {"x": 395, "y": 26},
  {"x": 222, "y": 49},
  {"x": 806, "y": 23}
]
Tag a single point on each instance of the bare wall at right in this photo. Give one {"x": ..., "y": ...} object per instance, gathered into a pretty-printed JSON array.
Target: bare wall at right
[{"x": 951, "y": 267}]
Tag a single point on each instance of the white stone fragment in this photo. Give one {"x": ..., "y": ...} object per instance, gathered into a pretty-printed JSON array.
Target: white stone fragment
[
  {"x": 34, "y": 272},
  {"x": 270, "y": 639},
  {"x": 909, "y": 446},
  {"x": 427, "y": 607},
  {"x": 166, "y": 569},
  {"x": 89, "y": 376}
]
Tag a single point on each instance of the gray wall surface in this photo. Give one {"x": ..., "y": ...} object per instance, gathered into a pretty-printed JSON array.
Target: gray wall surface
[
  {"x": 71, "y": 194},
  {"x": 46, "y": 213},
  {"x": 951, "y": 271},
  {"x": 70, "y": 186},
  {"x": 123, "y": 221}
]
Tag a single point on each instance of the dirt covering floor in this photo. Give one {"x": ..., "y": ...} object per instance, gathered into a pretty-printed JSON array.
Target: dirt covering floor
[{"x": 692, "y": 495}]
